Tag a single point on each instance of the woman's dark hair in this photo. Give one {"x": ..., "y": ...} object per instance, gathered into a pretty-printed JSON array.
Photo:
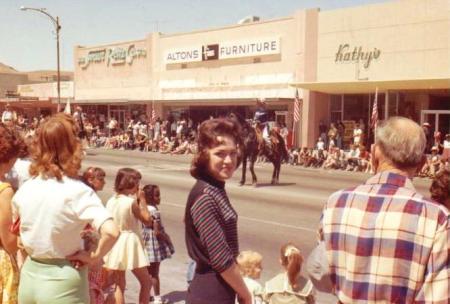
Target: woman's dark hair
[
  {"x": 208, "y": 134},
  {"x": 11, "y": 144},
  {"x": 440, "y": 187},
  {"x": 126, "y": 179},
  {"x": 149, "y": 191}
]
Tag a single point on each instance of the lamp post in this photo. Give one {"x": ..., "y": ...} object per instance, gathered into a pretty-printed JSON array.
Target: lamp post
[{"x": 55, "y": 22}]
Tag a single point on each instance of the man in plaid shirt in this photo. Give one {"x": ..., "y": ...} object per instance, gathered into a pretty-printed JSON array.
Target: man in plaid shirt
[{"x": 386, "y": 243}]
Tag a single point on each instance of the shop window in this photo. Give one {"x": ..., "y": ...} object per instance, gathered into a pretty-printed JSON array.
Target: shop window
[
  {"x": 336, "y": 108},
  {"x": 356, "y": 107}
]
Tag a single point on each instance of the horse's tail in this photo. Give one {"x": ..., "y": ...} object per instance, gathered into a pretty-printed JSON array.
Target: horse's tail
[{"x": 282, "y": 147}]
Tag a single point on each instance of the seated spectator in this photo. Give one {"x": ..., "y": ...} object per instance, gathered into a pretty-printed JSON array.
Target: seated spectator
[
  {"x": 432, "y": 165},
  {"x": 293, "y": 156},
  {"x": 140, "y": 142},
  {"x": 182, "y": 148},
  {"x": 167, "y": 148},
  {"x": 302, "y": 156},
  {"x": 352, "y": 158},
  {"x": 192, "y": 149},
  {"x": 333, "y": 160},
  {"x": 364, "y": 164},
  {"x": 320, "y": 144}
]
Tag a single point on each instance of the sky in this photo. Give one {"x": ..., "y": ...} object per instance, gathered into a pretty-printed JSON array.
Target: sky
[{"x": 28, "y": 40}]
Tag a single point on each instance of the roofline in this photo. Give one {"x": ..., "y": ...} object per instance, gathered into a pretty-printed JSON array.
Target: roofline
[
  {"x": 214, "y": 29},
  {"x": 109, "y": 44}
]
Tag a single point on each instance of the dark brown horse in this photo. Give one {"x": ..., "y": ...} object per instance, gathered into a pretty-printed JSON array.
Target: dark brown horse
[{"x": 251, "y": 149}]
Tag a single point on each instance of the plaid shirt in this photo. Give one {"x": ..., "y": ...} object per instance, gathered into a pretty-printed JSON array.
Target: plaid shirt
[{"x": 386, "y": 243}]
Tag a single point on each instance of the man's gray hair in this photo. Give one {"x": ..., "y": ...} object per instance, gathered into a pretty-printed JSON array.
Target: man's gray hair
[{"x": 402, "y": 141}]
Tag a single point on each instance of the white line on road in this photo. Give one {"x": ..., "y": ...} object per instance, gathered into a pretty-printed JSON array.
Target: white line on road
[{"x": 257, "y": 220}]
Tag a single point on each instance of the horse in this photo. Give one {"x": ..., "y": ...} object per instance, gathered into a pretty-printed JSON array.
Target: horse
[{"x": 251, "y": 149}]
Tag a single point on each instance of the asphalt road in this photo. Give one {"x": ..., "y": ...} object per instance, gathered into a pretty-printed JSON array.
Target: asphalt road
[{"x": 268, "y": 215}]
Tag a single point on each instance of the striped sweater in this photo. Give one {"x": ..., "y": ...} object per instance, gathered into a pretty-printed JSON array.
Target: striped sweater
[{"x": 211, "y": 227}]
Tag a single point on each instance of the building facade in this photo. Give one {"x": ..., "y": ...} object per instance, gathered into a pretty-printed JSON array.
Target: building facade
[
  {"x": 336, "y": 59},
  {"x": 399, "y": 49}
]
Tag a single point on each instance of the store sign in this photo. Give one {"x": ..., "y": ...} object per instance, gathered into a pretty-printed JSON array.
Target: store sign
[
  {"x": 183, "y": 55},
  {"x": 112, "y": 56},
  {"x": 249, "y": 48},
  {"x": 210, "y": 52},
  {"x": 225, "y": 50},
  {"x": 346, "y": 54}
]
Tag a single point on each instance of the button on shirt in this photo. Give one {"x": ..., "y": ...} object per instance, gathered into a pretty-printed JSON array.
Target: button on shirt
[
  {"x": 53, "y": 214},
  {"x": 387, "y": 244}
]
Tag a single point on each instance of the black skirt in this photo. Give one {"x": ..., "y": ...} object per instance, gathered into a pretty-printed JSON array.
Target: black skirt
[{"x": 210, "y": 288}]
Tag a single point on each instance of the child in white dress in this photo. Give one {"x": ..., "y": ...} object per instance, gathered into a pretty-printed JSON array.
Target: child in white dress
[
  {"x": 128, "y": 209},
  {"x": 250, "y": 265},
  {"x": 289, "y": 287}
]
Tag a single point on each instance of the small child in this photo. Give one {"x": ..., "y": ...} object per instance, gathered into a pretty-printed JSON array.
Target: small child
[
  {"x": 250, "y": 265},
  {"x": 156, "y": 241},
  {"x": 289, "y": 286},
  {"x": 95, "y": 178}
]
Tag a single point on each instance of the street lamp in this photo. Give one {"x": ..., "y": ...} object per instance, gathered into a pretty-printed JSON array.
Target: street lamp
[{"x": 55, "y": 22}]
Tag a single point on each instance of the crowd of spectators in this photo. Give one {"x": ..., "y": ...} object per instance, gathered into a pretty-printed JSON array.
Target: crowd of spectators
[{"x": 337, "y": 148}]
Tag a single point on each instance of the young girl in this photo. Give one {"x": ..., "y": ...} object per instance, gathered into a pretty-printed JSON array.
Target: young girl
[
  {"x": 128, "y": 209},
  {"x": 156, "y": 241},
  {"x": 289, "y": 286},
  {"x": 250, "y": 265},
  {"x": 95, "y": 178}
]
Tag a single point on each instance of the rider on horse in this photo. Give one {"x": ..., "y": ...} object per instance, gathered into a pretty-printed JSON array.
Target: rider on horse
[{"x": 261, "y": 119}]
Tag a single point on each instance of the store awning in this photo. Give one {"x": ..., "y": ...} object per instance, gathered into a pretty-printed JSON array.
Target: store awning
[
  {"x": 364, "y": 86},
  {"x": 100, "y": 101}
]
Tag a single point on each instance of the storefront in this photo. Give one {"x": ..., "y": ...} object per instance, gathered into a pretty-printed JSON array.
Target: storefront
[
  {"x": 217, "y": 71},
  {"x": 398, "y": 49},
  {"x": 114, "y": 80}
]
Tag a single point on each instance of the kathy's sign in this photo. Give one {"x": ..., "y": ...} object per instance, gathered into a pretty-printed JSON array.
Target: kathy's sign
[
  {"x": 112, "y": 56},
  {"x": 224, "y": 50},
  {"x": 346, "y": 54}
]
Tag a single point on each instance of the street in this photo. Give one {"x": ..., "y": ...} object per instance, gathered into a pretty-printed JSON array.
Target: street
[{"x": 268, "y": 215}]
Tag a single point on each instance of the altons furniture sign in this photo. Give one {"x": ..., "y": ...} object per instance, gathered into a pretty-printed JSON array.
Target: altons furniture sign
[
  {"x": 224, "y": 50},
  {"x": 112, "y": 56},
  {"x": 356, "y": 54}
]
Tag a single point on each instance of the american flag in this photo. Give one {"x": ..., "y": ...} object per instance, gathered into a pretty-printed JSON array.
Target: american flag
[
  {"x": 153, "y": 113},
  {"x": 374, "y": 118},
  {"x": 296, "y": 107}
]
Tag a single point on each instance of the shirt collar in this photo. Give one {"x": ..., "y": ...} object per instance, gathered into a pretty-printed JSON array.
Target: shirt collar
[
  {"x": 212, "y": 181},
  {"x": 391, "y": 178}
]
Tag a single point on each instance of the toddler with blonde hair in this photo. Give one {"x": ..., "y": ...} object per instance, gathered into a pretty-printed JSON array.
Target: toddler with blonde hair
[{"x": 250, "y": 266}]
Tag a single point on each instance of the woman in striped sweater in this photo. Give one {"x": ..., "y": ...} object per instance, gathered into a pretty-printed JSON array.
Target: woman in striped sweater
[{"x": 211, "y": 221}]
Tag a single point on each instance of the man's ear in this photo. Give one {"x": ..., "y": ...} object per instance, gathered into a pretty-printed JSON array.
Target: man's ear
[{"x": 375, "y": 159}]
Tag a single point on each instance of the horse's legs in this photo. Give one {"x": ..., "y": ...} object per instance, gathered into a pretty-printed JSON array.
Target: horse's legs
[
  {"x": 244, "y": 170},
  {"x": 278, "y": 171},
  {"x": 274, "y": 173},
  {"x": 252, "y": 168}
]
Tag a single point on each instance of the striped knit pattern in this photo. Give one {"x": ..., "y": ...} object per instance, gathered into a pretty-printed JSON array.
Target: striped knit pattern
[
  {"x": 387, "y": 244},
  {"x": 215, "y": 222}
]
